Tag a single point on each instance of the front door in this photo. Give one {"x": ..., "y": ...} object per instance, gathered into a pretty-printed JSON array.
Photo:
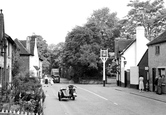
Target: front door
[{"x": 153, "y": 77}]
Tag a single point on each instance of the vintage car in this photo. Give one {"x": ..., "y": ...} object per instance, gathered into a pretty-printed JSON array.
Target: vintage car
[{"x": 68, "y": 92}]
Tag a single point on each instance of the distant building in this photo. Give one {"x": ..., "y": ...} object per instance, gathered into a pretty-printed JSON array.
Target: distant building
[{"x": 30, "y": 61}]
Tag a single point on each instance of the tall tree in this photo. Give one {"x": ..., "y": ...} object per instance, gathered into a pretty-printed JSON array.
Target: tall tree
[
  {"x": 56, "y": 54},
  {"x": 152, "y": 15},
  {"x": 43, "y": 52},
  {"x": 107, "y": 23},
  {"x": 82, "y": 47},
  {"x": 83, "y": 44}
]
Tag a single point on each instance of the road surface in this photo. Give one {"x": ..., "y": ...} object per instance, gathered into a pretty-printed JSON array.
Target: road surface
[{"x": 99, "y": 100}]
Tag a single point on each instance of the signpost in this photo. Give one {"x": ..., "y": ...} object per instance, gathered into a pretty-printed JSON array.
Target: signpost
[{"x": 104, "y": 57}]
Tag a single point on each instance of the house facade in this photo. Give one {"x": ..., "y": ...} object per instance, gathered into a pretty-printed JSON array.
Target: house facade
[
  {"x": 30, "y": 61},
  {"x": 157, "y": 60},
  {"x": 130, "y": 57},
  {"x": 6, "y": 49},
  {"x": 6, "y": 60}
]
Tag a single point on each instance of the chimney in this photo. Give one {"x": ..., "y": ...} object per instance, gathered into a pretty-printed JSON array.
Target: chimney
[
  {"x": 28, "y": 44},
  {"x": 140, "y": 32},
  {"x": 141, "y": 42},
  {"x": 1, "y": 26}
]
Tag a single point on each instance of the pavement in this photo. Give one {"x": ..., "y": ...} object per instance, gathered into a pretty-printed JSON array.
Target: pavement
[{"x": 146, "y": 94}]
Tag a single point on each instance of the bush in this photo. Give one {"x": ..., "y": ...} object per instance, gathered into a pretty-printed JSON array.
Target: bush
[{"x": 25, "y": 93}]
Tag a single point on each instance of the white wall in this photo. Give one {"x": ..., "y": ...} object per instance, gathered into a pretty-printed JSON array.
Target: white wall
[
  {"x": 34, "y": 60},
  {"x": 134, "y": 72},
  {"x": 122, "y": 75},
  {"x": 129, "y": 55},
  {"x": 9, "y": 60}
]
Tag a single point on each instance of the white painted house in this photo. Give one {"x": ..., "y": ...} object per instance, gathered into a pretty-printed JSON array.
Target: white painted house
[
  {"x": 131, "y": 56},
  {"x": 31, "y": 44}
]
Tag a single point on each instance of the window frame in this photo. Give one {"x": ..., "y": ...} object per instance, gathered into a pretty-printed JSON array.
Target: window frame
[{"x": 157, "y": 50}]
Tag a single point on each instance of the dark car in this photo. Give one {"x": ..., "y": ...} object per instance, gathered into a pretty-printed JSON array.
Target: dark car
[{"x": 56, "y": 79}]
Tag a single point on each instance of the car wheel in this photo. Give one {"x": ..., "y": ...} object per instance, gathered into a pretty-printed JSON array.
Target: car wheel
[{"x": 73, "y": 98}]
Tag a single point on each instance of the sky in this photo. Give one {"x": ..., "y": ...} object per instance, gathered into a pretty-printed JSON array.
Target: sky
[{"x": 52, "y": 19}]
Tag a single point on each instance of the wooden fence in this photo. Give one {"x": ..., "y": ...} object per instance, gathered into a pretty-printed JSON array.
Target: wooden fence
[{"x": 9, "y": 112}]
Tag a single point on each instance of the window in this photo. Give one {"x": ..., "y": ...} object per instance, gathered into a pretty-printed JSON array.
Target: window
[{"x": 157, "y": 50}]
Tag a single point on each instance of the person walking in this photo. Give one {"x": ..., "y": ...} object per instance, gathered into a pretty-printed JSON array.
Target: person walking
[
  {"x": 51, "y": 81},
  {"x": 156, "y": 83},
  {"x": 46, "y": 80},
  {"x": 159, "y": 90},
  {"x": 141, "y": 84}
]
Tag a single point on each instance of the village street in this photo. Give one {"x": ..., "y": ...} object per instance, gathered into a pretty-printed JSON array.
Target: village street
[{"x": 99, "y": 100}]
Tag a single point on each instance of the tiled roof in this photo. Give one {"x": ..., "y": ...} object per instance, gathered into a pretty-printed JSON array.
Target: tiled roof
[
  {"x": 23, "y": 50},
  {"x": 160, "y": 39},
  {"x": 122, "y": 44},
  {"x": 32, "y": 44}
]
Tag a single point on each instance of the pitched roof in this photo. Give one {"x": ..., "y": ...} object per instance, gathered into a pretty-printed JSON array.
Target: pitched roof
[
  {"x": 160, "y": 39},
  {"x": 144, "y": 60},
  {"x": 9, "y": 39},
  {"x": 32, "y": 44},
  {"x": 122, "y": 44},
  {"x": 23, "y": 50}
]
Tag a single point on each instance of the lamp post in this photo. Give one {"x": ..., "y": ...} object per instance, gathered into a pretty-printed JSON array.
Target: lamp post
[{"x": 104, "y": 57}]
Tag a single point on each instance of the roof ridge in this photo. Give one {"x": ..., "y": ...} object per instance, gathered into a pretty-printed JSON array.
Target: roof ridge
[{"x": 159, "y": 39}]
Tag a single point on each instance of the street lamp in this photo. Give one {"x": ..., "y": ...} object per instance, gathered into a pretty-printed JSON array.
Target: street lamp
[{"x": 104, "y": 57}]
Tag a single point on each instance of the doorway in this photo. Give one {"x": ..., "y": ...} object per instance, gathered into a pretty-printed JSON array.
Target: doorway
[{"x": 153, "y": 77}]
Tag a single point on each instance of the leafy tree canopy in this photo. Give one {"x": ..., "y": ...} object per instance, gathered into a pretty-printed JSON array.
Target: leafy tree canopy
[
  {"x": 152, "y": 15},
  {"x": 83, "y": 43}
]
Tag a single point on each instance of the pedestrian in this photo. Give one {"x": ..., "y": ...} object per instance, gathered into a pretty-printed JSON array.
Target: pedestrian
[
  {"x": 46, "y": 80},
  {"x": 147, "y": 86},
  {"x": 159, "y": 90},
  {"x": 156, "y": 83},
  {"x": 141, "y": 84},
  {"x": 51, "y": 81}
]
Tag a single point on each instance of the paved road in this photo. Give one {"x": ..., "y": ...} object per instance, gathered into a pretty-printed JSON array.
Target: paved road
[{"x": 99, "y": 100}]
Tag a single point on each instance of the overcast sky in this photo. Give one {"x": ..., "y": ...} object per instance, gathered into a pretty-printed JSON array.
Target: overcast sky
[{"x": 52, "y": 19}]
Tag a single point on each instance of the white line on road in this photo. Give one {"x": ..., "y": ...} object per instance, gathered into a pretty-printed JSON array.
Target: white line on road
[
  {"x": 93, "y": 93},
  {"x": 115, "y": 103}
]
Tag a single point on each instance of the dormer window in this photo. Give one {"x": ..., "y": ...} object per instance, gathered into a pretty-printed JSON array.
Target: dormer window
[{"x": 157, "y": 50}]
